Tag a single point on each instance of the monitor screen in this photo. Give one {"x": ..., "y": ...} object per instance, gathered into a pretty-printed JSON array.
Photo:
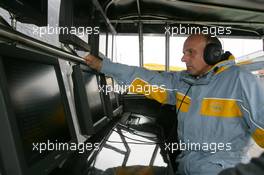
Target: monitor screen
[
  {"x": 112, "y": 94},
  {"x": 36, "y": 101},
  {"x": 89, "y": 100},
  {"x": 94, "y": 96},
  {"x": 1, "y": 165},
  {"x": 34, "y": 110}
]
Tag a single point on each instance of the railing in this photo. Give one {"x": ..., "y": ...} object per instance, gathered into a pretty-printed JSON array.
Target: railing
[{"x": 10, "y": 34}]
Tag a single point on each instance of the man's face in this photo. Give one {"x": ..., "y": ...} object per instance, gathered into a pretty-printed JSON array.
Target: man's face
[{"x": 193, "y": 49}]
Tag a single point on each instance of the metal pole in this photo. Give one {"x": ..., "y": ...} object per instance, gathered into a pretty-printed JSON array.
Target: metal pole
[
  {"x": 107, "y": 21},
  {"x": 93, "y": 39},
  {"x": 167, "y": 51},
  {"x": 263, "y": 44},
  {"x": 39, "y": 45},
  {"x": 164, "y": 21},
  {"x": 13, "y": 22},
  {"x": 112, "y": 52},
  {"x": 106, "y": 44},
  {"x": 140, "y": 35}
]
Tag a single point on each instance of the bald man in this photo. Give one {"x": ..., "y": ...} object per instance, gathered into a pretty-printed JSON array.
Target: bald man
[{"x": 219, "y": 105}]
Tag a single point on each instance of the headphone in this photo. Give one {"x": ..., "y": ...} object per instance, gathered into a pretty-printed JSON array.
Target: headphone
[{"x": 213, "y": 52}]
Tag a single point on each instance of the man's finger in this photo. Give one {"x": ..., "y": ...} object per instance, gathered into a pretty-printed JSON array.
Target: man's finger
[
  {"x": 88, "y": 59},
  {"x": 93, "y": 62}
]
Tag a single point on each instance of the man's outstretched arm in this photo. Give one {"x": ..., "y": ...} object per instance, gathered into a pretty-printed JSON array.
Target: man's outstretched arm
[{"x": 158, "y": 86}]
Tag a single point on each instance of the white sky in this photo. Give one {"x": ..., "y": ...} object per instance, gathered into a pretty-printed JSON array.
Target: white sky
[{"x": 126, "y": 49}]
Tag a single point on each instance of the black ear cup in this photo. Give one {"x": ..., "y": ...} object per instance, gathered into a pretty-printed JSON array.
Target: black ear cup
[{"x": 213, "y": 53}]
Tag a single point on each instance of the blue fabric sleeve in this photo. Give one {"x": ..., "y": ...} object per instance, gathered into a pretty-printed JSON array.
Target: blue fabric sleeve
[{"x": 125, "y": 75}]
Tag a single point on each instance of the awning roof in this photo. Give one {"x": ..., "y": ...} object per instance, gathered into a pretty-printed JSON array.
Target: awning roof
[{"x": 245, "y": 17}]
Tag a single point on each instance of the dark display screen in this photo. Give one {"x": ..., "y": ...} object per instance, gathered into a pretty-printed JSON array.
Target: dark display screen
[
  {"x": 37, "y": 104},
  {"x": 112, "y": 95},
  {"x": 94, "y": 96}
]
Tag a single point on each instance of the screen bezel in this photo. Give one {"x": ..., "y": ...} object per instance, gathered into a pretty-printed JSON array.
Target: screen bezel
[
  {"x": 114, "y": 93},
  {"x": 17, "y": 158},
  {"x": 85, "y": 120}
]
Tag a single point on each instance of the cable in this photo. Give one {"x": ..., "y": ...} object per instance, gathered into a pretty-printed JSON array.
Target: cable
[
  {"x": 105, "y": 139},
  {"x": 177, "y": 113},
  {"x": 135, "y": 139},
  {"x": 142, "y": 115},
  {"x": 133, "y": 131},
  {"x": 143, "y": 143},
  {"x": 149, "y": 137},
  {"x": 170, "y": 133}
]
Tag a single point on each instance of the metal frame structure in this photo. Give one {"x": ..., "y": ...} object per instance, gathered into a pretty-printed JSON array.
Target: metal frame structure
[{"x": 19, "y": 38}]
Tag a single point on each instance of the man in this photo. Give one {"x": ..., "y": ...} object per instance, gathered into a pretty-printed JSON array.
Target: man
[{"x": 219, "y": 104}]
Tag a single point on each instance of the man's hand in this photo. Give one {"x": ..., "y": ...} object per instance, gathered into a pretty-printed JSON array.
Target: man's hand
[{"x": 93, "y": 62}]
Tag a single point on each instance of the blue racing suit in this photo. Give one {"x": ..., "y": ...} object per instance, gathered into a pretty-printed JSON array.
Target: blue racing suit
[{"x": 218, "y": 117}]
